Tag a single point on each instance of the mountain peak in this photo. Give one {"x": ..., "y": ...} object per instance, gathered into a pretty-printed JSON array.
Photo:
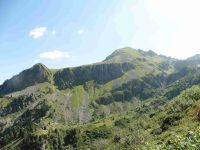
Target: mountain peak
[
  {"x": 39, "y": 65},
  {"x": 151, "y": 53},
  {"x": 125, "y": 49},
  {"x": 122, "y": 55},
  {"x": 193, "y": 61},
  {"x": 195, "y": 57},
  {"x": 128, "y": 54},
  {"x": 39, "y": 73}
]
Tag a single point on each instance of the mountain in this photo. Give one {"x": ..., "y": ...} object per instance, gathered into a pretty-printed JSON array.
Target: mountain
[
  {"x": 116, "y": 65},
  {"x": 133, "y": 99},
  {"x": 190, "y": 62},
  {"x": 37, "y": 74}
]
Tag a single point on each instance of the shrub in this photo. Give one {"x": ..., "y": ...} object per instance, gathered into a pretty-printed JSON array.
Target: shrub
[
  {"x": 122, "y": 122},
  {"x": 169, "y": 121},
  {"x": 198, "y": 114},
  {"x": 100, "y": 132},
  {"x": 71, "y": 137},
  {"x": 105, "y": 99}
]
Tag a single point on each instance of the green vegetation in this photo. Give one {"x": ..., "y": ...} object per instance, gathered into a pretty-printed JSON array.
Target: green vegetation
[
  {"x": 132, "y": 100},
  {"x": 37, "y": 74},
  {"x": 77, "y": 96}
]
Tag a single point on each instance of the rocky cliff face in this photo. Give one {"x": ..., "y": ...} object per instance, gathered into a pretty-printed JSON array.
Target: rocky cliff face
[
  {"x": 100, "y": 73},
  {"x": 114, "y": 66},
  {"x": 123, "y": 93}
]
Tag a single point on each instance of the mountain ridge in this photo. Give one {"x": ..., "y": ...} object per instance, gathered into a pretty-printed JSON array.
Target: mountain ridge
[
  {"x": 125, "y": 55},
  {"x": 106, "y": 102}
]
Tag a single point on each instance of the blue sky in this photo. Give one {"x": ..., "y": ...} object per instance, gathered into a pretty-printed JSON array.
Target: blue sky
[{"x": 63, "y": 33}]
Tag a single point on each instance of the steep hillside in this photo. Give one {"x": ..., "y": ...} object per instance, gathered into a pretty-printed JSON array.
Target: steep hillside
[
  {"x": 190, "y": 62},
  {"x": 100, "y": 73},
  {"x": 133, "y": 99},
  {"x": 37, "y": 74},
  {"x": 148, "y": 60}
]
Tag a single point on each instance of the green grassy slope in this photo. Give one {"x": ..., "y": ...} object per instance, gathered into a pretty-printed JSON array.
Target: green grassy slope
[
  {"x": 171, "y": 125},
  {"x": 132, "y": 100}
]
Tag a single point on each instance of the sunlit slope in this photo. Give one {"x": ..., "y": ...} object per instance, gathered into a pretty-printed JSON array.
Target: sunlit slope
[{"x": 133, "y": 99}]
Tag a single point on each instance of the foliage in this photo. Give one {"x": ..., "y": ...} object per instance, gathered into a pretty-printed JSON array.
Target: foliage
[{"x": 132, "y": 100}]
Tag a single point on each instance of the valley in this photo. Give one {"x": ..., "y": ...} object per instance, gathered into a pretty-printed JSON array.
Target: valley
[{"x": 133, "y": 99}]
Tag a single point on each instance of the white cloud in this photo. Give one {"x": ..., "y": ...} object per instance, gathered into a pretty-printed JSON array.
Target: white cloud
[
  {"x": 81, "y": 31},
  {"x": 37, "y": 32},
  {"x": 53, "y": 32},
  {"x": 55, "y": 54}
]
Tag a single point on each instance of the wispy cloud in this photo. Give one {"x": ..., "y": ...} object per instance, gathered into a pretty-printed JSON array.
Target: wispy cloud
[
  {"x": 81, "y": 31},
  {"x": 55, "y": 54},
  {"x": 37, "y": 32},
  {"x": 53, "y": 32},
  {"x": 36, "y": 60}
]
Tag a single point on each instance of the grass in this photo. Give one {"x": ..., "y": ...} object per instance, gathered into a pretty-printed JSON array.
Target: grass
[
  {"x": 142, "y": 117},
  {"x": 77, "y": 96},
  {"x": 4, "y": 102},
  {"x": 140, "y": 125}
]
